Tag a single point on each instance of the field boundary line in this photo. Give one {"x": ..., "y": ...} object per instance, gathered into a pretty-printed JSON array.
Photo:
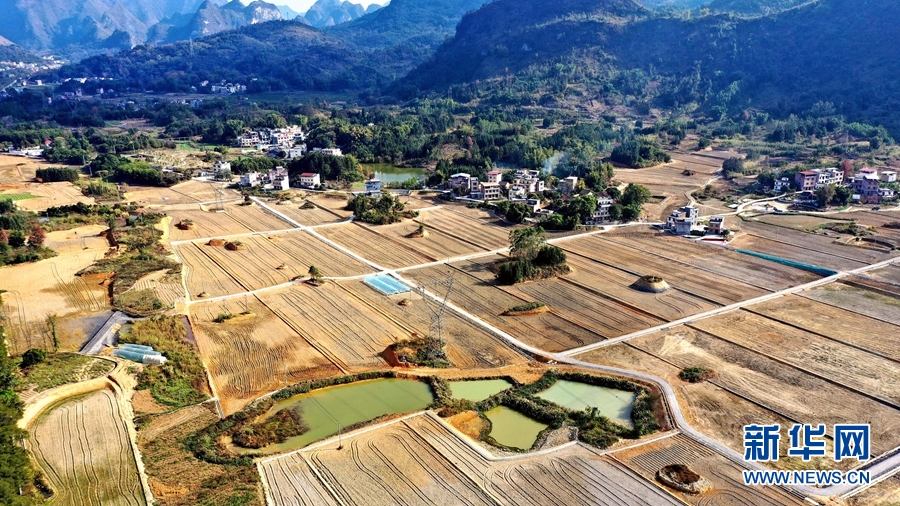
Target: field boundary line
[
  {"x": 126, "y": 414},
  {"x": 627, "y": 469},
  {"x": 278, "y": 214},
  {"x": 236, "y": 236},
  {"x": 267, "y": 493}
]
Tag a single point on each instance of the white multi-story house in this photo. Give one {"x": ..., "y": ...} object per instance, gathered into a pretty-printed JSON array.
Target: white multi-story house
[
  {"x": 309, "y": 180},
  {"x": 250, "y": 179},
  {"x": 490, "y": 191},
  {"x": 374, "y": 186},
  {"x": 683, "y": 221},
  {"x": 329, "y": 151},
  {"x": 494, "y": 176},
  {"x": 567, "y": 185},
  {"x": 782, "y": 185},
  {"x": 716, "y": 225},
  {"x": 829, "y": 176},
  {"x": 601, "y": 214},
  {"x": 888, "y": 176}
]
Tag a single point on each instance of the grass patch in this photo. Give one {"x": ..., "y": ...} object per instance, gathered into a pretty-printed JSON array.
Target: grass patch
[
  {"x": 181, "y": 381},
  {"x": 62, "y": 369},
  {"x": 139, "y": 302},
  {"x": 280, "y": 427},
  {"x": 223, "y": 317},
  {"x": 696, "y": 374},
  {"x": 14, "y": 197},
  {"x": 531, "y": 306}
]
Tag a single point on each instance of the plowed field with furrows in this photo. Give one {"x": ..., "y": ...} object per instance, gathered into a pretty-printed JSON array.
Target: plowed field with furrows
[
  {"x": 718, "y": 261},
  {"x": 683, "y": 277},
  {"x": 468, "y": 345},
  {"x": 82, "y": 447},
  {"x": 204, "y": 274},
  {"x": 547, "y": 330},
  {"x": 333, "y": 320},
  {"x": 369, "y": 244},
  {"x": 485, "y": 235},
  {"x": 206, "y": 224}
]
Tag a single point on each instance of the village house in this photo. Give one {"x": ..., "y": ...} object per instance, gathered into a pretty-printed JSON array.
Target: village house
[
  {"x": 716, "y": 226},
  {"x": 490, "y": 191},
  {"x": 250, "y": 179},
  {"x": 888, "y": 176},
  {"x": 683, "y": 221},
  {"x": 329, "y": 151},
  {"x": 568, "y": 184},
  {"x": 782, "y": 185},
  {"x": 601, "y": 214},
  {"x": 374, "y": 186},
  {"x": 310, "y": 180},
  {"x": 829, "y": 176},
  {"x": 806, "y": 180},
  {"x": 866, "y": 187}
]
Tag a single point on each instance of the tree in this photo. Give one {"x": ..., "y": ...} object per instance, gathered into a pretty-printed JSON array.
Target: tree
[
  {"x": 16, "y": 239},
  {"x": 518, "y": 212},
  {"x": 15, "y": 468},
  {"x": 635, "y": 194},
  {"x": 766, "y": 179},
  {"x": 733, "y": 164},
  {"x": 825, "y": 194},
  {"x": 527, "y": 242},
  {"x": 37, "y": 236},
  {"x": 842, "y": 196},
  {"x": 315, "y": 274}
]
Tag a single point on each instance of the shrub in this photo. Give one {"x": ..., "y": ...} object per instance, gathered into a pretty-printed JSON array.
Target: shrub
[
  {"x": 695, "y": 374},
  {"x": 32, "y": 357}
]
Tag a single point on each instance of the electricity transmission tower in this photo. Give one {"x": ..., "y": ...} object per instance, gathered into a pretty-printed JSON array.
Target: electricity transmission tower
[{"x": 436, "y": 310}]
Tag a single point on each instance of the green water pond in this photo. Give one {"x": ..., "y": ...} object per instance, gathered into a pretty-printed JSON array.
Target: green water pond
[
  {"x": 613, "y": 404},
  {"x": 513, "y": 429},
  {"x": 349, "y": 404},
  {"x": 478, "y": 390}
]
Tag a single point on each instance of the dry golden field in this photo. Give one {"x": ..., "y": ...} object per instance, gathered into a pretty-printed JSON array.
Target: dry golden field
[{"x": 81, "y": 445}]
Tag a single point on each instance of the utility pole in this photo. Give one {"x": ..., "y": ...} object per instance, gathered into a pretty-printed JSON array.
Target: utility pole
[{"x": 340, "y": 437}]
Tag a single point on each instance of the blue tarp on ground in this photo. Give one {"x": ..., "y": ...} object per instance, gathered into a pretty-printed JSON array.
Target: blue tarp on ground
[{"x": 386, "y": 285}]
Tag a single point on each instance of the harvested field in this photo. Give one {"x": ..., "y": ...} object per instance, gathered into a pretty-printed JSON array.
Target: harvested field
[
  {"x": 724, "y": 476},
  {"x": 472, "y": 212},
  {"x": 781, "y": 389},
  {"x": 19, "y": 169},
  {"x": 836, "y": 323},
  {"x": 177, "y": 478},
  {"x": 714, "y": 259},
  {"x": 708, "y": 407},
  {"x": 668, "y": 178},
  {"x": 885, "y": 493},
  {"x": 435, "y": 246},
  {"x": 891, "y": 273},
  {"x": 428, "y": 464},
  {"x": 50, "y": 195},
  {"x": 333, "y": 204},
  {"x": 206, "y": 224},
  {"x": 485, "y": 235},
  {"x": 347, "y": 331},
  {"x": 48, "y": 287},
  {"x": 308, "y": 217},
  {"x": 858, "y": 300},
  {"x": 369, "y": 244},
  {"x": 681, "y": 276},
  {"x": 203, "y": 275},
  {"x": 468, "y": 345},
  {"x": 615, "y": 283},
  {"x": 713, "y": 206},
  {"x": 251, "y": 355},
  {"x": 474, "y": 294},
  {"x": 81, "y": 445},
  {"x": 795, "y": 221},
  {"x": 607, "y": 317},
  {"x": 257, "y": 219},
  {"x": 167, "y": 290},
  {"x": 848, "y": 366},
  {"x": 189, "y": 192},
  {"x": 804, "y": 247},
  {"x": 77, "y": 239}
]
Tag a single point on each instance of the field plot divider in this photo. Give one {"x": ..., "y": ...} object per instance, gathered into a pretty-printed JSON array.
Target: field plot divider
[
  {"x": 323, "y": 481},
  {"x": 131, "y": 435},
  {"x": 625, "y": 468},
  {"x": 826, "y": 379},
  {"x": 454, "y": 236}
]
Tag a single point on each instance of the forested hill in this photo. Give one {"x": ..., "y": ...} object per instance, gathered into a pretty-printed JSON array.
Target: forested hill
[
  {"x": 829, "y": 50},
  {"x": 368, "y": 53}
]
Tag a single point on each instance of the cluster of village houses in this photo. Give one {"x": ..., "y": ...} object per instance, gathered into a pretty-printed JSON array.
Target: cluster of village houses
[{"x": 866, "y": 185}]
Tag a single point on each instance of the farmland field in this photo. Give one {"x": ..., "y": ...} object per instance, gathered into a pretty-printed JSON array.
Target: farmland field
[
  {"x": 713, "y": 259},
  {"x": 485, "y": 235},
  {"x": 309, "y": 217},
  {"x": 468, "y": 346},
  {"x": 855, "y": 368},
  {"x": 206, "y": 224},
  {"x": 203, "y": 274},
  {"x": 82, "y": 447},
  {"x": 189, "y": 192},
  {"x": 679, "y": 275},
  {"x": 725, "y": 477},
  {"x": 368, "y": 243},
  {"x": 859, "y": 300},
  {"x": 51, "y": 195},
  {"x": 796, "y": 221},
  {"x": 349, "y": 332},
  {"x": 253, "y": 354},
  {"x": 430, "y": 465},
  {"x": 474, "y": 294},
  {"x": 257, "y": 219}
]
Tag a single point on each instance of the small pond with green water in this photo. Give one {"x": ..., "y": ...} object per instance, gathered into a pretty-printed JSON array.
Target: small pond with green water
[
  {"x": 478, "y": 390},
  {"x": 387, "y": 173},
  {"x": 513, "y": 429},
  {"x": 613, "y": 404},
  {"x": 348, "y": 404}
]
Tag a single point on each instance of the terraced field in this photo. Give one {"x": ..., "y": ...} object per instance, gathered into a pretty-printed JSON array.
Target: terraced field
[
  {"x": 419, "y": 461},
  {"x": 82, "y": 447}
]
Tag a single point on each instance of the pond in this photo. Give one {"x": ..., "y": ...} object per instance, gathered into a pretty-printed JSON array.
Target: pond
[
  {"x": 513, "y": 429},
  {"x": 613, "y": 404},
  {"x": 388, "y": 173},
  {"x": 478, "y": 390},
  {"x": 348, "y": 404}
]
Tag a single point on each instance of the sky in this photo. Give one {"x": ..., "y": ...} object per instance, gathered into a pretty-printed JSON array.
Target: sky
[{"x": 304, "y": 5}]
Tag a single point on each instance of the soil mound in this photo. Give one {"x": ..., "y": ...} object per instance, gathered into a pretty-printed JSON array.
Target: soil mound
[
  {"x": 235, "y": 246},
  {"x": 680, "y": 477},
  {"x": 216, "y": 242},
  {"x": 185, "y": 225},
  {"x": 650, "y": 284}
]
